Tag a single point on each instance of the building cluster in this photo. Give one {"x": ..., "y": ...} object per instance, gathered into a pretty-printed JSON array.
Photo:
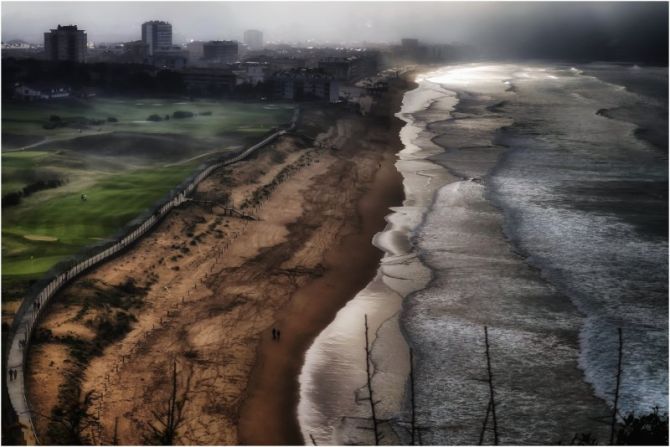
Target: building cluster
[
  {"x": 227, "y": 67},
  {"x": 41, "y": 91},
  {"x": 16, "y": 45},
  {"x": 221, "y": 67}
]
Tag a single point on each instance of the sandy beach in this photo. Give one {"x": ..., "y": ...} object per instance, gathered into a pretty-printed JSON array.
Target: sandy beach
[{"x": 205, "y": 291}]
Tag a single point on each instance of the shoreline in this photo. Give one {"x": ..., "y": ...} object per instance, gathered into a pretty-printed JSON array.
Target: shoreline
[{"x": 333, "y": 403}]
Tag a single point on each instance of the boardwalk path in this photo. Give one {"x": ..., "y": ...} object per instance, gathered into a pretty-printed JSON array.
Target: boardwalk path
[{"x": 32, "y": 308}]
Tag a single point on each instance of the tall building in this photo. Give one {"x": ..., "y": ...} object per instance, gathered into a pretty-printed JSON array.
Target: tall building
[
  {"x": 253, "y": 39},
  {"x": 65, "y": 43},
  {"x": 157, "y": 35},
  {"x": 222, "y": 51}
]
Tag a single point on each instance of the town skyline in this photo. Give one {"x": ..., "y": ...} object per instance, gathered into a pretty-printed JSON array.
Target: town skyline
[{"x": 508, "y": 29}]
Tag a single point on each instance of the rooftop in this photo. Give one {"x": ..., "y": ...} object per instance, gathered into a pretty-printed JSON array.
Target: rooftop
[
  {"x": 221, "y": 42},
  {"x": 67, "y": 28}
]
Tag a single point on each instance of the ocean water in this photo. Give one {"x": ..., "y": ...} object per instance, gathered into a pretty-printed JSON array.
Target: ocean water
[
  {"x": 586, "y": 199},
  {"x": 536, "y": 205}
]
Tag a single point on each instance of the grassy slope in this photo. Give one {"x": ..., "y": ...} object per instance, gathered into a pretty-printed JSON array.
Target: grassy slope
[
  {"x": 18, "y": 169},
  {"x": 112, "y": 202},
  {"x": 117, "y": 190}
]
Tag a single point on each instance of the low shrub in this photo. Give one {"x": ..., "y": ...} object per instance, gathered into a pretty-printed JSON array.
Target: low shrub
[
  {"x": 648, "y": 429},
  {"x": 51, "y": 125},
  {"x": 41, "y": 185},
  {"x": 11, "y": 199},
  {"x": 182, "y": 114},
  {"x": 14, "y": 198}
]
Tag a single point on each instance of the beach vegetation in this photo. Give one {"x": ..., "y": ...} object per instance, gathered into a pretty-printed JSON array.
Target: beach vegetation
[
  {"x": 73, "y": 421},
  {"x": 108, "y": 311},
  {"x": 646, "y": 429}
]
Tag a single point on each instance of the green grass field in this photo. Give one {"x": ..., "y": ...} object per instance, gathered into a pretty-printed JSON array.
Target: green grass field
[
  {"x": 123, "y": 168},
  {"x": 72, "y": 223}
]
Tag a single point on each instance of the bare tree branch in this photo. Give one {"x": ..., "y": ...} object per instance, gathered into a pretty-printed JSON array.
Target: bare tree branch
[
  {"x": 492, "y": 401},
  {"x": 167, "y": 421},
  {"x": 369, "y": 384},
  {"x": 616, "y": 389}
]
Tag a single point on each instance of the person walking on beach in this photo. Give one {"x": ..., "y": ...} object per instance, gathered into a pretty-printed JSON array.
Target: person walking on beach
[
  {"x": 278, "y": 334},
  {"x": 274, "y": 334}
]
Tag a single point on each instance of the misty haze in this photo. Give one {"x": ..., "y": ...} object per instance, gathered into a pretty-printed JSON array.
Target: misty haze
[{"x": 334, "y": 223}]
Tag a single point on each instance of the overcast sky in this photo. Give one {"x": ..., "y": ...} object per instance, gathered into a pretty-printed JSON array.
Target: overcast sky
[{"x": 498, "y": 26}]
